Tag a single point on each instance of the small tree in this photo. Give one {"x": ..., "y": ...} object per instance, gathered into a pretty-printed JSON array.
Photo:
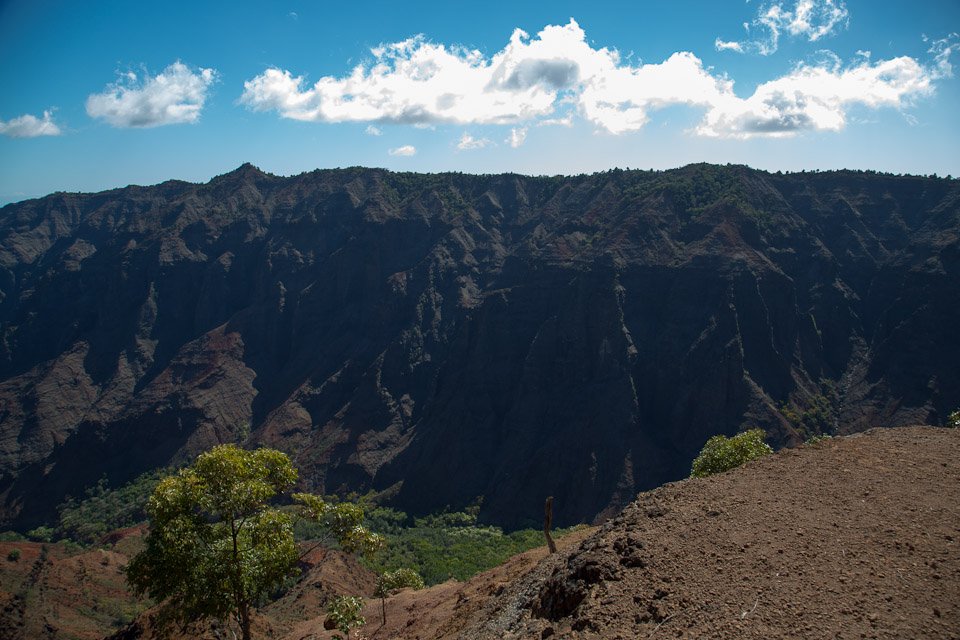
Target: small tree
[
  {"x": 344, "y": 614},
  {"x": 216, "y": 546},
  {"x": 953, "y": 420},
  {"x": 722, "y": 453},
  {"x": 398, "y": 579}
]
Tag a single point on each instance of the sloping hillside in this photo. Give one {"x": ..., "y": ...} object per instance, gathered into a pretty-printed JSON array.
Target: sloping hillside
[
  {"x": 49, "y": 591},
  {"x": 848, "y": 538},
  {"x": 452, "y": 336},
  {"x": 855, "y": 537}
]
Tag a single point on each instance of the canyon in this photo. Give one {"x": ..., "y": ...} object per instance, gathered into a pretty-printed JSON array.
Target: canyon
[{"x": 446, "y": 338}]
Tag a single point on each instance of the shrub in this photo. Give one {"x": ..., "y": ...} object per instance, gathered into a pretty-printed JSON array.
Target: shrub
[
  {"x": 398, "y": 580},
  {"x": 14, "y": 555},
  {"x": 343, "y": 614},
  {"x": 953, "y": 420},
  {"x": 722, "y": 453},
  {"x": 40, "y": 534},
  {"x": 12, "y": 536}
]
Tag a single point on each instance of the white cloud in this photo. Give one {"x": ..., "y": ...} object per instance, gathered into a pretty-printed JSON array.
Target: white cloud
[
  {"x": 517, "y": 137},
  {"x": 467, "y": 141},
  {"x": 174, "y": 96},
  {"x": 566, "y": 121},
  {"x": 941, "y": 49},
  {"x": 814, "y": 19},
  {"x": 810, "y": 19},
  {"x": 419, "y": 82},
  {"x": 373, "y": 131},
  {"x": 557, "y": 76},
  {"x": 29, "y": 126},
  {"x": 726, "y": 46},
  {"x": 815, "y": 98},
  {"x": 618, "y": 99},
  {"x": 406, "y": 150}
]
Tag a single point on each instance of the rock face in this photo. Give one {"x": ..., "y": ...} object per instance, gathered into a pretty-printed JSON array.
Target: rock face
[{"x": 452, "y": 336}]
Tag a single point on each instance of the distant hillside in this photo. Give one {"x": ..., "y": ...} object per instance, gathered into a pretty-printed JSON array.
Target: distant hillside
[{"x": 450, "y": 337}]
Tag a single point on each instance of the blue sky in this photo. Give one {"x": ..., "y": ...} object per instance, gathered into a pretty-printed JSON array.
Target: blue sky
[{"x": 99, "y": 95}]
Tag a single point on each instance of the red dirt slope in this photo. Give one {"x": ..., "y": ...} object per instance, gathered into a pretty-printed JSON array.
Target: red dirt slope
[
  {"x": 855, "y": 537},
  {"x": 53, "y": 594}
]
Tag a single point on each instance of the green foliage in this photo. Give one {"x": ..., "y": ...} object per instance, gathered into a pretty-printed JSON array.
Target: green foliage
[
  {"x": 12, "y": 536},
  {"x": 722, "y": 453},
  {"x": 401, "y": 189},
  {"x": 695, "y": 189},
  {"x": 399, "y": 579},
  {"x": 216, "y": 545},
  {"x": 242, "y": 432},
  {"x": 446, "y": 545},
  {"x": 343, "y": 521},
  {"x": 816, "y": 439},
  {"x": 953, "y": 420},
  {"x": 386, "y": 520},
  {"x": 105, "y": 509},
  {"x": 819, "y": 415},
  {"x": 40, "y": 534},
  {"x": 14, "y": 555},
  {"x": 344, "y": 613}
]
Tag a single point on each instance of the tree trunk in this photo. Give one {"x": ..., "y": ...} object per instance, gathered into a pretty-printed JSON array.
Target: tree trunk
[
  {"x": 245, "y": 620},
  {"x": 547, "y": 517}
]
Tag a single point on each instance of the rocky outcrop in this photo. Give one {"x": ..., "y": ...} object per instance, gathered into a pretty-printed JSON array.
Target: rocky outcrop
[{"x": 452, "y": 336}]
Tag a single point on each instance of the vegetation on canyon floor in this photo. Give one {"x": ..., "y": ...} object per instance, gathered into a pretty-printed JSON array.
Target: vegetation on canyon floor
[{"x": 191, "y": 513}]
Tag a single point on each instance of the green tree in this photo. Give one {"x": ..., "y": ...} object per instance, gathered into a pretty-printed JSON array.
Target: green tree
[
  {"x": 389, "y": 580},
  {"x": 343, "y": 614},
  {"x": 953, "y": 420},
  {"x": 398, "y": 579},
  {"x": 216, "y": 546},
  {"x": 722, "y": 453},
  {"x": 40, "y": 534}
]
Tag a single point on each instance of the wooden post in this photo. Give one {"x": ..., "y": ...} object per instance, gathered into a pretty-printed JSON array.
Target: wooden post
[{"x": 547, "y": 517}]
